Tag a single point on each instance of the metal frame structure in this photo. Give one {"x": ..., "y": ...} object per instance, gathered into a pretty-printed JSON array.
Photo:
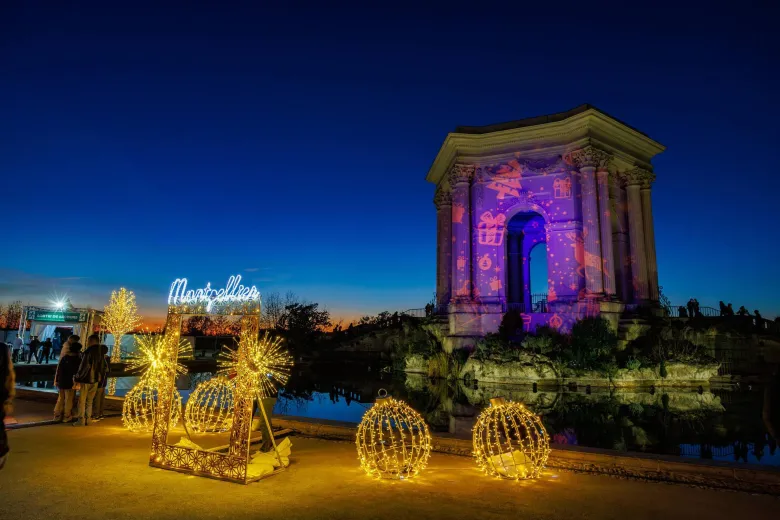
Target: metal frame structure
[{"x": 233, "y": 465}]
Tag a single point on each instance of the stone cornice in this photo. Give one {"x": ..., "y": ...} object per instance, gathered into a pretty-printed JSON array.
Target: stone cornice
[
  {"x": 442, "y": 197},
  {"x": 587, "y": 127},
  {"x": 588, "y": 157},
  {"x": 637, "y": 177},
  {"x": 461, "y": 173}
]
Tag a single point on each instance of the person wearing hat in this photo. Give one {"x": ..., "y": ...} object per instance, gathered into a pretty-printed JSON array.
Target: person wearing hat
[{"x": 63, "y": 380}]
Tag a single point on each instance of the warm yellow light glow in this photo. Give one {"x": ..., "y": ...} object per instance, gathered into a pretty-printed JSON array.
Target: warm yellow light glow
[
  {"x": 139, "y": 404},
  {"x": 257, "y": 365},
  {"x": 120, "y": 316},
  {"x": 393, "y": 440},
  {"x": 151, "y": 356},
  {"x": 153, "y": 359},
  {"x": 510, "y": 441},
  {"x": 210, "y": 406}
]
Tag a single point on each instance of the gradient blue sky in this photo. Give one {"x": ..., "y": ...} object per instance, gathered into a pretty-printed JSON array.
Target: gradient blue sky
[{"x": 290, "y": 144}]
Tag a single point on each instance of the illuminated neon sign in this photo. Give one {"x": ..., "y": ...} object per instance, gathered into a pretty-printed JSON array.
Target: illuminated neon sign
[{"x": 233, "y": 292}]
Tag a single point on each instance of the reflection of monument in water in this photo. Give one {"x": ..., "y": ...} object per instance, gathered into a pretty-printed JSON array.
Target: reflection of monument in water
[
  {"x": 573, "y": 188},
  {"x": 635, "y": 419}
]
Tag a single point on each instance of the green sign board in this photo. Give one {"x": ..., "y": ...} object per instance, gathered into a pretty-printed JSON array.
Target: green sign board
[{"x": 58, "y": 316}]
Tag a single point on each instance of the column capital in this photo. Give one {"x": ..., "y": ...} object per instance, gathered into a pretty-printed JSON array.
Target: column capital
[
  {"x": 588, "y": 157},
  {"x": 637, "y": 177},
  {"x": 442, "y": 197},
  {"x": 461, "y": 173}
]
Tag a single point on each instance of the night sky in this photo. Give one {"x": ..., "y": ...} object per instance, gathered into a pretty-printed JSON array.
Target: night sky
[{"x": 291, "y": 144}]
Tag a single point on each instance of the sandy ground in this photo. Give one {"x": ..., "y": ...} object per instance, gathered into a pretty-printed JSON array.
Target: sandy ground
[{"x": 101, "y": 471}]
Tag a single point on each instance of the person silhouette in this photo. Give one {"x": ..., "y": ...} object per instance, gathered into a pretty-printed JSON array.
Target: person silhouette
[
  {"x": 723, "y": 308},
  {"x": 682, "y": 312},
  {"x": 729, "y": 310},
  {"x": 742, "y": 311}
]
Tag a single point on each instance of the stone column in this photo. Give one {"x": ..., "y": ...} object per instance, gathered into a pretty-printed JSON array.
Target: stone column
[
  {"x": 587, "y": 160},
  {"x": 636, "y": 233},
  {"x": 605, "y": 226},
  {"x": 443, "y": 202},
  {"x": 564, "y": 261},
  {"x": 460, "y": 180},
  {"x": 647, "y": 219},
  {"x": 620, "y": 239},
  {"x": 514, "y": 262}
]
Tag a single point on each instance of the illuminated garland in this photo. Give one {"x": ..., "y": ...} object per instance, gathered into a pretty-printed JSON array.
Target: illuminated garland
[
  {"x": 258, "y": 366},
  {"x": 392, "y": 440},
  {"x": 139, "y": 404},
  {"x": 210, "y": 407},
  {"x": 510, "y": 441}
]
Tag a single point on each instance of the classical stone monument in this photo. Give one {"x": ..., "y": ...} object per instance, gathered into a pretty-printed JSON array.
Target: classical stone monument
[{"x": 578, "y": 182}]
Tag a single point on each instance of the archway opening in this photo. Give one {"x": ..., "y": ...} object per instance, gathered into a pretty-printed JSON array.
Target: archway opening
[{"x": 526, "y": 263}]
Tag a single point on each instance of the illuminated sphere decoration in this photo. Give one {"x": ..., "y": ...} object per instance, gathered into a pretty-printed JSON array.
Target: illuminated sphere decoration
[
  {"x": 210, "y": 406},
  {"x": 510, "y": 441},
  {"x": 139, "y": 404},
  {"x": 392, "y": 440}
]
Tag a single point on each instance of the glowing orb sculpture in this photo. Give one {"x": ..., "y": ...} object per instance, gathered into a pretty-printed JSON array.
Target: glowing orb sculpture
[
  {"x": 510, "y": 441},
  {"x": 139, "y": 404},
  {"x": 210, "y": 407},
  {"x": 393, "y": 440}
]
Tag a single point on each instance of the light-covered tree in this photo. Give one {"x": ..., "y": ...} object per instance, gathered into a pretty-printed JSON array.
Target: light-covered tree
[
  {"x": 11, "y": 315},
  {"x": 120, "y": 316}
]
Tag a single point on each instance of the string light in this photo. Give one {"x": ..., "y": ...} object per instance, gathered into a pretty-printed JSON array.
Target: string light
[
  {"x": 139, "y": 404},
  {"x": 510, "y": 441},
  {"x": 210, "y": 406},
  {"x": 392, "y": 440},
  {"x": 152, "y": 358},
  {"x": 257, "y": 365},
  {"x": 120, "y": 316}
]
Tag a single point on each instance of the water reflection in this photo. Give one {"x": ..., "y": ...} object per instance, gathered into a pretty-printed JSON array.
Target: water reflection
[
  {"x": 730, "y": 424},
  {"x": 720, "y": 424}
]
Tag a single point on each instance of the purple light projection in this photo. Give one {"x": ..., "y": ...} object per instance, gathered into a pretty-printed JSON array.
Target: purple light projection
[{"x": 499, "y": 212}]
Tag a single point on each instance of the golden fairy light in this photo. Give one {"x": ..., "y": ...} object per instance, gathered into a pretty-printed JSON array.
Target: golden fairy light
[
  {"x": 153, "y": 360},
  {"x": 139, "y": 404},
  {"x": 392, "y": 440},
  {"x": 120, "y": 316},
  {"x": 258, "y": 365},
  {"x": 510, "y": 441},
  {"x": 151, "y": 356},
  {"x": 210, "y": 406}
]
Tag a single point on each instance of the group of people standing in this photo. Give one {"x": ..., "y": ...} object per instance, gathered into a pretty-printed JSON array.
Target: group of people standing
[
  {"x": 42, "y": 352},
  {"x": 692, "y": 310},
  {"x": 85, "y": 373}
]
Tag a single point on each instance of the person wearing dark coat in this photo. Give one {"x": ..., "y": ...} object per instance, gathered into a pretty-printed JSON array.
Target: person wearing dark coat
[
  {"x": 6, "y": 397},
  {"x": 63, "y": 380},
  {"x": 100, "y": 396},
  {"x": 91, "y": 371},
  {"x": 35, "y": 344},
  {"x": 45, "y": 351}
]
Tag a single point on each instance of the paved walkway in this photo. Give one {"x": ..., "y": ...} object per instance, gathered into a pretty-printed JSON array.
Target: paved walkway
[{"x": 101, "y": 471}]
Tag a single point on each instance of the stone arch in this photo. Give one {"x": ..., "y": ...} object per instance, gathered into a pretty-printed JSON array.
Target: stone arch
[{"x": 517, "y": 246}]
